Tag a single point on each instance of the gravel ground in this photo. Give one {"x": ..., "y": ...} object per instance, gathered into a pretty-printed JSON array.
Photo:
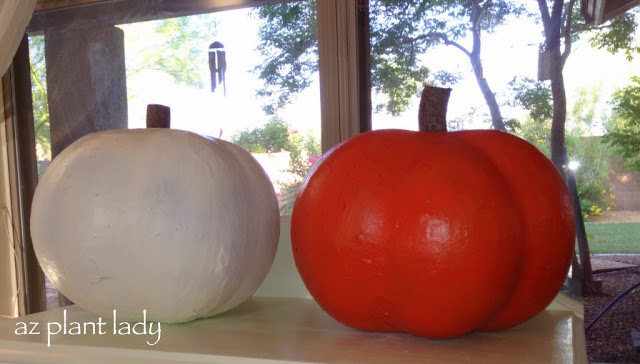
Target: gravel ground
[
  {"x": 609, "y": 339},
  {"x": 52, "y": 294}
]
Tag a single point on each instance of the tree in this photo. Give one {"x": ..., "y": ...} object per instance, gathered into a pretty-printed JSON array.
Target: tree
[
  {"x": 250, "y": 140},
  {"x": 582, "y": 146},
  {"x": 272, "y": 137},
  {"x": 563, "y": 24},
  {"x": 558, "y": 28},
  {"x": 175, "y": 46},
  {"x": 39, "y": 95},
  {"x": 623, "y": 132},
  {"x": 533, "y": 96},
  {"x": 401, "y": 31},
  {"x": 557, "y": 25},
  {"x": 290, "y": 43},
  {"x": 587, "y": 187},
  {"x": 304, "y": 151}
]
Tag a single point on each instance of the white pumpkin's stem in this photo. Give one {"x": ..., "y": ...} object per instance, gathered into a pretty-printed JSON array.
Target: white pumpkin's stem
[
  {"x": 158, "y": 116},
  {"x": 432, "y": 113}
]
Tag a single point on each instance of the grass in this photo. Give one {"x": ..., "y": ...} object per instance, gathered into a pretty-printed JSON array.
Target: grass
[{"x": 617, "y": 238}]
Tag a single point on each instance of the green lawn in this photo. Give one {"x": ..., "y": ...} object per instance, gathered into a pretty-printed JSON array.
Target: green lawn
[{"x": 621, "y": 237}]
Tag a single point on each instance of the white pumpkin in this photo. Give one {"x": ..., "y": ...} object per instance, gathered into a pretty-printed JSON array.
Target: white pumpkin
[
  {"x": 14, "y": 17},
  {"x": 167, "y": 221}
]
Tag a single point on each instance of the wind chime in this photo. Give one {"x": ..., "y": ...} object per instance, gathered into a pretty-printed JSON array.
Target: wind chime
[{"x": 217, "y": 66}]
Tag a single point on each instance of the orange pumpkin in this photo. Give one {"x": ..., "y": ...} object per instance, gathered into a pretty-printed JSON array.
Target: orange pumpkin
[{"x": 433, "y": 233}]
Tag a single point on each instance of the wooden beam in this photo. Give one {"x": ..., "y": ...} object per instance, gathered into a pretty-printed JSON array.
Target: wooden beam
[
  {"x": 83, "y": 13},
  {"x": 44, "y": 5},
  {"x": 587, "y": 9},
  {"x": 613, "y": 8},
  {"x": 339, "y": 85},
  {"x": 14, "y": 228},
  {"x": 601, "y": 11}
]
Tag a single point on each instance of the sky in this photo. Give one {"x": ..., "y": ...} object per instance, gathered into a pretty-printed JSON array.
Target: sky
[{"x": 511, "y": 51}]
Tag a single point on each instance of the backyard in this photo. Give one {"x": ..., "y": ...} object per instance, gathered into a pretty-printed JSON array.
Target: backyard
[
  {"x": 614, "y": 240},
  {"x": 614, "y": 237}
]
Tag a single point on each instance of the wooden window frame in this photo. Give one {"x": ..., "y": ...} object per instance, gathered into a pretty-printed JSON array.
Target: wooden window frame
[{"x": 20, "y": 139}]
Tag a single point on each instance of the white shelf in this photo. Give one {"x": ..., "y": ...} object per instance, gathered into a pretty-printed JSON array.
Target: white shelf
[
  {"x": 281, "y": 323},
  {"x": 270, "y": 329}
]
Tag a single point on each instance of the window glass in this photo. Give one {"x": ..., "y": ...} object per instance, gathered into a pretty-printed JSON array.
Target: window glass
[
  {"x": 494, "y": 75},
  {"x": 168, "y": 62},
  {"x": 218, "y": 72}
]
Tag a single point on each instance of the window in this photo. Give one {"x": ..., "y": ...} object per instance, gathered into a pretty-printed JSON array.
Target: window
[
  {"x": 211, "y": 90},
  {"x": 96, "y": 67}
]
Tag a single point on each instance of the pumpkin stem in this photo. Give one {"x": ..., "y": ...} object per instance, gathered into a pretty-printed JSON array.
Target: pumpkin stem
[
  {"x": 158, "y": 116},
  {"x": 432, "y": 113}
]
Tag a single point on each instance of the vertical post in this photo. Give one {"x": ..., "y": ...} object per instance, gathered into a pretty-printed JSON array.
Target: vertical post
[
  {"x": 364, "y": 65},
  {"x": 27, "y": 175},
  {"x": 86, "y": 82},
  {"x": 338, "y": 63}
]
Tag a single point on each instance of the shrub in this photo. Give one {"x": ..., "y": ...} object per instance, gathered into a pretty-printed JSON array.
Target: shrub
[
  {"x": 270, "y": 138},
  {"x": 591, "y": 177},
  {"x": 304, "y": 152}
]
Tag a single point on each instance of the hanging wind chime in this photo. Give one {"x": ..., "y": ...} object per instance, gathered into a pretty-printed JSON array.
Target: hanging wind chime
[{"x": 217, "y": 66}]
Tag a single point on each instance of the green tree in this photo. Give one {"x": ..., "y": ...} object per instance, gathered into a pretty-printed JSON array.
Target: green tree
[
  {"x": 272, "y": 137},
  {"x": 175, "y": 46},
  {"x": 587, "y": 151},
  {"x": 303, "y": 153},
  {"x": 591, "y": 176},
  {"x": 533, "y": 96},
  {"x": 537, "y": 133},
  {"x": 401, "y": 31},
  {"x": 617, "y": 35},
  {"x": 563, "y": 24},
  {"x": 546, "y": 101},
  {"x": 250, "y": 140},
  {"x": 39, "y": 98},
  {"x": 623, "y": 131},
  {"x": 290, "y": 44}
]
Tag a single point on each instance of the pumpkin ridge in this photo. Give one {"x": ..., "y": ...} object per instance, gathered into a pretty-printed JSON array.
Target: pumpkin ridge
[{"x": 548, "y": 238}]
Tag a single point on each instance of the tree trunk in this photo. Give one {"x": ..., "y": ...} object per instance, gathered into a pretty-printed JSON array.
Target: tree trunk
[
  {"x": 553, "y": 31},
  {"x": 489, "y": 96},
  {"x": 558, "y": 148},
  {"x": 476, "y": 64}
]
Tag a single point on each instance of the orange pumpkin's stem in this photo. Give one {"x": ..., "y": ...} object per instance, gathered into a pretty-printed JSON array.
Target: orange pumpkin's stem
[
  {"x": 158, "y": 116},
  {"x": 432, "y": 114}
]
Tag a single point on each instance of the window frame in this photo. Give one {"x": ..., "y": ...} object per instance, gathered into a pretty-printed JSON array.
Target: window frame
[{"x": 22, "y": 167}]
